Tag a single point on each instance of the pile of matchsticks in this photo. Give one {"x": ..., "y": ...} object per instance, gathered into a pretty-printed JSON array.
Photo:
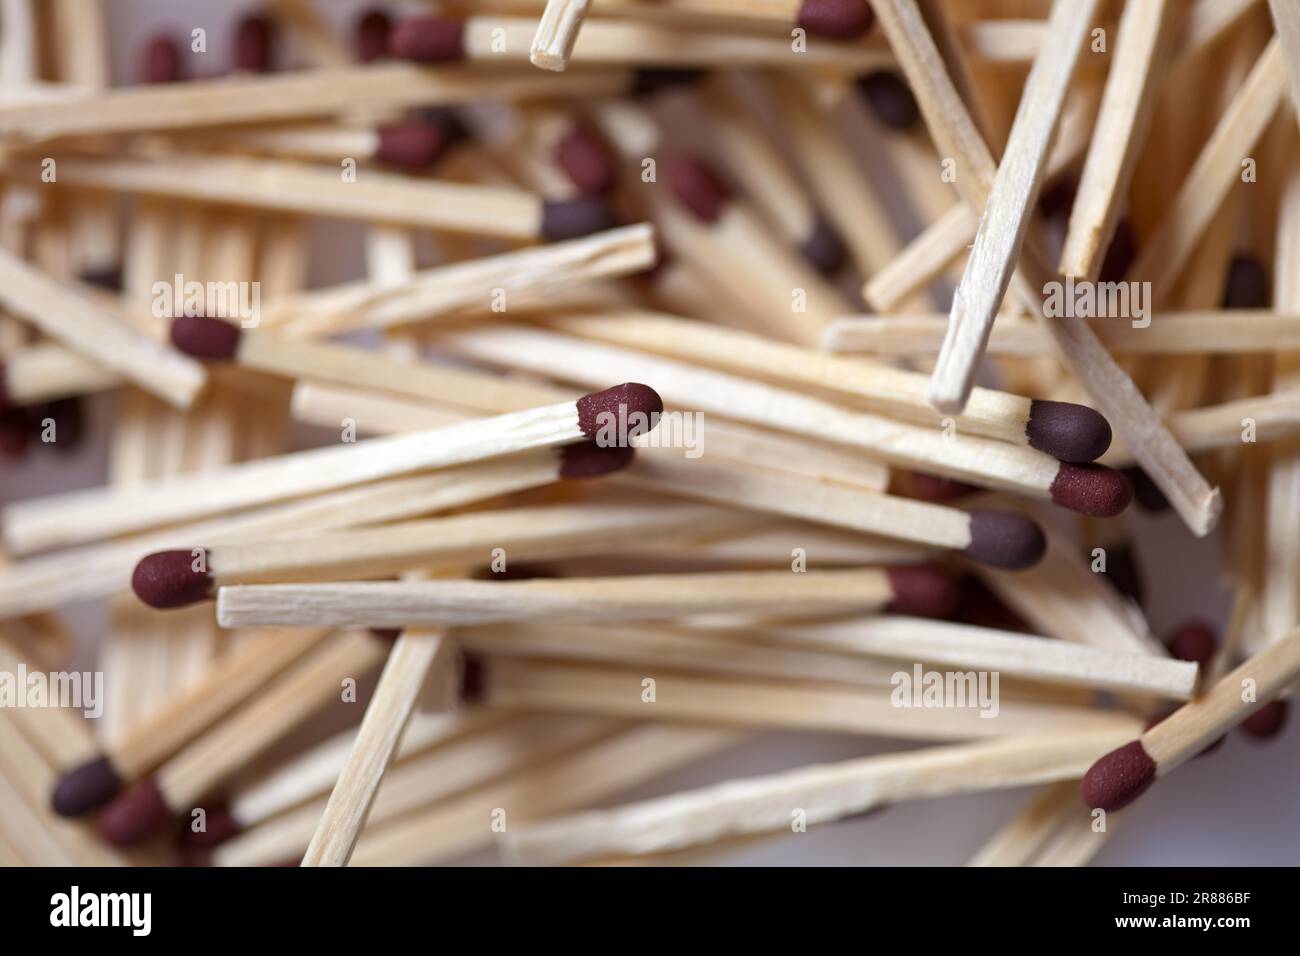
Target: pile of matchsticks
[{"x": 644, "y": 432}]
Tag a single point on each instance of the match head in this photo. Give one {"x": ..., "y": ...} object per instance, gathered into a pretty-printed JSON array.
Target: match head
[
  {"x": 1146, "y": 492},
  {"x": 923, "y": 591},
  {"x": 1266, "y": 722},
  {"x": 937, "y": 488},
  {"x": 428, "y": 40},
  {"x": 1070, "y": 432},
  {"x": 372, "y": 35},
  {"x": 587, "y": 459},
  {"x": 254, "y": 43},
  {"x": 575, "y": 218},
  {"x": 647, "y": 82},
  {"x": 167, "y": 579},
  {"x": 15, "y": 431},
  {"x": 135, "y": 815},
  {"x": 105, "y": 277},
  {"x": 1118, "y": 778},
  {"x": 411, "y": 144},
  {"x": 836, "y": 19},
  {"x": 5, "y": 400},
  {"x": 1005, "y": 539},
  {"x": 618, "y": 404},
  {"x": 890, "y": 98},
  {"x": 473, "y": 679},
  {"x": 823, "y": 249},
  {"x": 85, "y": 788},
  {"x": 1093, "y": 490},
  {"x": 586, "y": 159},
  {"x": 219, "y": 826},
  {"x": 160, "y": 61},
  {"x": 1194, "y": 641},
  {"x": 698, "y": 187},
  {"x": 1248, "y": 286},
  {"x": 206, "y": 338}
]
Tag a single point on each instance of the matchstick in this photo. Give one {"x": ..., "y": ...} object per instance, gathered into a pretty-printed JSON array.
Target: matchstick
[
  {"x": 45, "y": 371},
  {"x": 411, "y": 145},
  {"x": 827, "y": 792},
  {"x": 645, "y": 597},
  {"x": 85, "y": 516},
  {"x": 1124, "y": 774},
  {"x": 557, "y": 31},
  {"x": 1010, "y": 204}
]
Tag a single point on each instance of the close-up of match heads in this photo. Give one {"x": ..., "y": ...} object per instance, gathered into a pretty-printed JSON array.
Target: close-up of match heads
[{"x": 649, "y": 432}]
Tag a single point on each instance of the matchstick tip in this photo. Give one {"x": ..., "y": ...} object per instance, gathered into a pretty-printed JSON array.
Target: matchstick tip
[
  {"x": 575, "y": 218},
  {"x": 1266, "y": 722},
  {"x": 1248, "y": 285},
  {"x": 823, "y": 249},
  {"x": 616, "y": 407},
  {"x": 160, "y": 61},
  {"x": 890, "y": 99},
  {"x": 921, "y": 590},
  {"x": 1118, "y": 778},
  {"x": 428, "y": 40},
  {"x": 1070, "y": 432},
  {"x": 85, "y": 788},
  {"x": 411, "y": 144},
  {"x": 647, "y": 82},
  {"x": 205, "y": 338},
  {"x": 254, "y": 44},
  {"x": 1093, "y": 490},
  {"x": 836, "y": 19},
  {"x": 372, "y": 35},
  {"x": 167, "y": 579},
  {"x": 587, "y": 459},
  {"x": 698, "y": 187},
  {"x": 929, "y": 487},
  {"x": 586, "y": 159},
  {"x": 1194, "y": 641},
  {"x": 219, "y": 826},
  {"x": 134, "y": 815},
  {"x": 1005, "y": 539},
  {"x": 473, "y": 679}
]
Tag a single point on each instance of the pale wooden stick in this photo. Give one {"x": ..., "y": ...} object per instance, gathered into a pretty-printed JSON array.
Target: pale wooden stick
[
  {"x": 1019, "y": 841},
  {"x": 825, "y": 793},
  {"x": 557, "y": 31},
  {"x": 45, "y": 371},
  {"x": 923, "y": 259},
  {"x": 1272, "y": 418},
  {"x": 1009, "y": 208}
]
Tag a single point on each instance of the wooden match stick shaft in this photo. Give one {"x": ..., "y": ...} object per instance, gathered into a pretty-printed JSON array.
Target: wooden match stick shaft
[{"x": 557, "y": 31}]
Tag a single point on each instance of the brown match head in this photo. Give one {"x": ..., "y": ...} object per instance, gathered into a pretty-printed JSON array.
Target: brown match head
[
  {"x": 575, "y": 218},
  {"x": 1005, "y": 539},
  {"x": 167, "y": 579},
  {"x": 219, "y": 826},
  {"x": 698, "y": 187},
  {"x": 1118, "y": 778},
  {"x": 135, "y": 815},
  {"x": 1248, "y": 285},
  {"x": 412, "y": 144},
  {"x": 105, "y": 277},
  {"x": 823, "y": 249},
  {"x": 587, "y": 160},
  {"x": 1146, "y": 492},
  {"x": 981, "y": 607},
  {"x": 631, "y": 405},
  {"x": 372, "y": 35},
  {"x": 587, "y": 459},
  {"x": 1093, "y": 490},
  {"x": 85, "y": 788},
  {"x": 428, "y": 40},
  {"x": 205, "y": 338},
  {"x": 1064, "y": 430},
  {"x": 937, "y": 488},
  {"x": 923, "y": 591},
  {"x": 254, "y": 44},
  {"x": 15, "y": 431},
  {"x": 1267, "y": 722},
  {"x": 836, "y": 19},
  {"x": 890, "y": 99},
  {"x": 473, "y": 679},
  {"x": 1194, "y": 641},
  {"x": 160, "y": 61}
]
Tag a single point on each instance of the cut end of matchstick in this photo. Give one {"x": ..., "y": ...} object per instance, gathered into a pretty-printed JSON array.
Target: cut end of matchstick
[
  {"x": 205, "y": 338},
  {"x": 135, "y": 815},
  {"x": 1193, "y": 641},
  {"x": 1092, "y": 490},
  {"x": 698, "y": 187},
  {"x": 1267, "y": 722},
  {"x": 167, "y": 579},
  {"x": 586, "y": 159},
  {"x": 1118, "y": 778},
  {"x": 890, "y": 99},
  {"x": 85, "y": 788},
  {"x": 1005, "y": 539},
  {"x": 160, "y": 61},
  {"x": 923, "y": 591},
  {"x": 412, "y": 145},
  {"x": 823, "y": 249},
  {"x": 589, "y": 460},
  {"x": 1070, "y": 432},
  {"x": 616, "y": 406},
  {"x": 575, "y": 218},
  {"x": 254, "y": 43},
  {"x": 836, "y": 19},
  {"x": 428, "y": 40},
  {"x": 372, "y": 35}
]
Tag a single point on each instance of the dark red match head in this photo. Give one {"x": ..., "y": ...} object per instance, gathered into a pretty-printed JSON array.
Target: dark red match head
[
  {"x": 473, "y": 679},
  {"x": 836, "y": 19},
  {"x": 372, "y": 35},
  {"x": 923, "y": 591},
  {"x": 428, "y": 40},
  {"x": 1070, "y": 432},
  {"x": 160, "y": 61},
  {"x": 1248, "y": 286},
  {"x": 85, "y": 788},
  {"x": 1267, "y": 722},
  {"x": 937, "y": 488},
  {"x": 15, "y": 431},
  {"x": 219, "y": 825},
  {"x": 587, "y": 459},
  {"x": 1194, "y": 641},
  {"x": 254, "y": 44},
  {"x": 1119, "y": 778},
  {"x": 411, "y": 144},
  {"x": 823, "y": 249},
  {"x": 1093, "y": 490},
  {"x": 698, "y": 187},
  {"x": 599, "y": 411},
  {"x": 135, "y": 815},
  {"x": 587, "y": 160},
  {"x": 890, "y": 98},
  {"x": 1005, "y": 539},
  {"x": 108, "y": 277},
  {"x": 1146, "y": 492},
  {"x": 168, "y": 579},
  {"x": 205, "y": 338},
  {"x": 574, "y": 218}
]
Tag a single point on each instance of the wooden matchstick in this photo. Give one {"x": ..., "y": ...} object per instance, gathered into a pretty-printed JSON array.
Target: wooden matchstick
[
  {"x": 557, "y": 31},
  {"x": 1124, "y": 774}
]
